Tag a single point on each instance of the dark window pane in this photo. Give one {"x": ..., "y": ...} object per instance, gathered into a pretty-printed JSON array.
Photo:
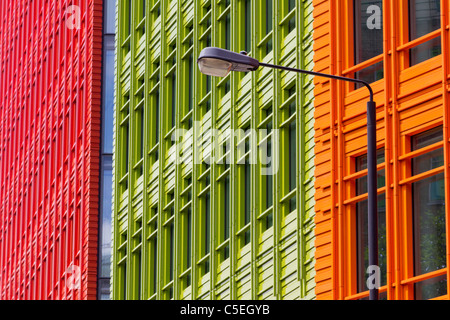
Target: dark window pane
[
  {"x": 104, "y": 287},
  {"x": 191, "y": 82},
  {"x": 247, "y": 183},
  {"x": 430, "y": 160},
  {"x": 431, "y": 288},
  {"x": 368, "y": 33},
  {"x": 269, "y": 24},
  {"x": 370, "y": 74},
  {"x": 361, "y": 164},
  {"x": 207, "y": 222},
  {"x": 424, "y": 17},
  {"x": 141, "y": 135},
  {"x": 429, "y": 224},
  {"x": 248, "y": 28},
  {"x": 110, "y": 17},
  {"x": 362, "y": 241},
  {"x": 227, "y": 33},
  {"x": 293, "y": 163},
  {"x": 124, "y": 277},
  {"x": 139, "y": 276},
  {"x": 269, "y": 179},
  {"x": 189, "y": 238},
  {"x": 129, "y": 8},
  {"x": 362, "y": 224},
  {"x": 425, "y": 51},
  {"x": 127, "y": 146},
  {"x": 108, "y": 97},
  {"x": 154, "y": 265},
  {"x": 247, "y": 200},
  {"x": 429, "y": 216},
  {"x": 268, "y": 16},
  {"x": 227, "y": 208},
  {"x": 157, "y": 116},
  {"x": 172, "y": 252}
]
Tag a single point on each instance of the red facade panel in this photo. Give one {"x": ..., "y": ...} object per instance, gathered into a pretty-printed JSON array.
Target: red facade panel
[{"x": 50, "y": 100}]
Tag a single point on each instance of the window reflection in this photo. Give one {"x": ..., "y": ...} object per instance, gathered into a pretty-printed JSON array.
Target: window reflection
[
  {"x": 362, "y": 239},
  {"x": 110, "y": 17},
  {"x": 106, "y": 174},
  {"x": 429, "y": 216},
  {"x": 368, "y": 33},
  {"x": 108, "y": 104}
]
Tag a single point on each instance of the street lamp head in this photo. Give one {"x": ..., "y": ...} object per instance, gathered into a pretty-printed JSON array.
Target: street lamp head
[{"x": 219, "y": 62}]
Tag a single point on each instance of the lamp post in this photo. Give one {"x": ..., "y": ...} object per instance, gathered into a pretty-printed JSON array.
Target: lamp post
[{"x": 219, "y": 62}]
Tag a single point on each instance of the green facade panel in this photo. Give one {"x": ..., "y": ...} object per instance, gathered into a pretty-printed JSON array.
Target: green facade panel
[{"x": 194, "y": 214}]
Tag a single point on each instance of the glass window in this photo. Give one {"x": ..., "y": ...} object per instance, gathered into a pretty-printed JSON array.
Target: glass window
[
  {"x": 107, "y": 149},
  {"x": 191, "y": 82},
  {"x": 104, "y": 289},
  {"x": 269, "y": 26},
  {"x": 107, "y": 183},
  {"x": 138, "y": 257},
  {"x": 368, "y": 37},
  {"x": 189, "y": 237},
  {"x": 424, "y": 17},
  {"x": 269, "y": 178},
  {"x": 429, "y": 216},
  {"x": 227, "y": 208},
  {"x": 154, "y": 265},
  {"x": 157, "y": 116},
  {"x": 110, "y": 17},
  {"x": 362, "y": 224},
  {"x": 227, "y": 32},
  {"x": 174, "y": 99},
  {"x": 248, "y": 25},
  {"x": 187, "y": 278},
  {"x": 172, "y": 251}
]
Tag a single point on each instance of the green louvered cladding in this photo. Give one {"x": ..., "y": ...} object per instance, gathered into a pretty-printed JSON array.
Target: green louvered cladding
[{"x": 218, "y": 231}]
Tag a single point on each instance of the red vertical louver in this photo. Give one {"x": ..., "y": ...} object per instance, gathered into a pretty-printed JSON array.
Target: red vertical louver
[{"x": 50, "y": 100}]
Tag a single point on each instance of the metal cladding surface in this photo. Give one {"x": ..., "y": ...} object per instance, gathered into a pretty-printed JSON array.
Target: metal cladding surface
[{"x": 50, "y": 100}]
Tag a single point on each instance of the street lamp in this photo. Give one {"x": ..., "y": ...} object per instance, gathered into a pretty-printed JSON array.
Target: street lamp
[{"x": 219, "y": 62}]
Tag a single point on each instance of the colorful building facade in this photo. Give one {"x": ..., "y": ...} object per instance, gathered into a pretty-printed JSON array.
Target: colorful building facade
[
  {"x": 402, "y": 48},
  {"x": 193, "y": 217},
  {"x": 50, "y": 137}
]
